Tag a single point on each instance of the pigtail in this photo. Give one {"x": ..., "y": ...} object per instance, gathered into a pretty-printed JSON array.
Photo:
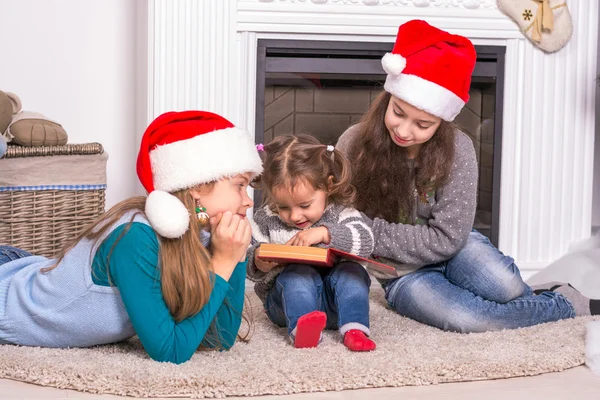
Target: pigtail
[
  {"x": 257, "y": 182},
  {"x": 341, "y": 190},
  {"x": 289, "y": 160},
  {"x": 274, "y": 160}
]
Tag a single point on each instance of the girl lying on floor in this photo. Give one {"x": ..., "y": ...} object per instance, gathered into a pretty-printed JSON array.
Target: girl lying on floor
[{"x": 168, "y": 267}]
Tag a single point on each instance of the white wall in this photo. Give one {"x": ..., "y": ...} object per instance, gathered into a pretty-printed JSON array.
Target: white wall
[
  {"x": 74, "y": 61},
  {"x": 596, "y": 195}
]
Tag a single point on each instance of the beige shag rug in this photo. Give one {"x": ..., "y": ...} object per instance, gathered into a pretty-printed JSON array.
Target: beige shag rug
[{"x": 408, "y": 353}]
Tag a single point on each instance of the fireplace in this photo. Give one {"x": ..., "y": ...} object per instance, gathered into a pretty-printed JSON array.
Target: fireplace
[
  {"x": 322, "y": 88},
  {"x": 192, "y": 57}
]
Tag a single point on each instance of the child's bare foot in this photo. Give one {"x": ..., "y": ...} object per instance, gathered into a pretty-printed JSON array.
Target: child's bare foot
[
  {"x": 356, "y": 340},
  {"x": 309, "y": 328}
]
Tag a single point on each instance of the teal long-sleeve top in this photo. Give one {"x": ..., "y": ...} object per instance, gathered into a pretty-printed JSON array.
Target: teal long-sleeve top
[{"x": 134, "y": 271}]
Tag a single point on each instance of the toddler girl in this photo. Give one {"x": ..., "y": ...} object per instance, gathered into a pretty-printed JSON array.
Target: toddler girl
[{"x": 307, "y": 195}]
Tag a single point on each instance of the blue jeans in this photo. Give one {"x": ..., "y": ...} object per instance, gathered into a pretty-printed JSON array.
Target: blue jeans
[
  {"x": 9, "y": 253},
  {"x": 479, "y": 289},
  {"x": 342, "y": 292}
]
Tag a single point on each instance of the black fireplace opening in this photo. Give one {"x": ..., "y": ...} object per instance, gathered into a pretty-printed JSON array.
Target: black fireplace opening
[{"x": 323, "y": 87}]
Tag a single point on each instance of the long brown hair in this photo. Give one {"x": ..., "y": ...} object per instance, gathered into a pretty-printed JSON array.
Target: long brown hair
[
  {"x": 290, "y": 159},
  {"x": 184, "y": 262},
  {"x": 383, "y": 176}
]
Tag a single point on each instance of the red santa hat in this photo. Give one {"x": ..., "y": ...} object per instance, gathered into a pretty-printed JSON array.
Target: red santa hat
[
  {"x": 430, "y": 69},
  {"x": 181, "y": 150}
]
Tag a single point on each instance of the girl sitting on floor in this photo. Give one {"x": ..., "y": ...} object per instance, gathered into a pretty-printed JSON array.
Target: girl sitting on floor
[{"x": 308, "y": 192}]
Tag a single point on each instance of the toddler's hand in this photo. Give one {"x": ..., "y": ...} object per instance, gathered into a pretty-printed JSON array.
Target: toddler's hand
[
  {"x": 262, "y": 265},
  {"x": 310, "y": 237}
]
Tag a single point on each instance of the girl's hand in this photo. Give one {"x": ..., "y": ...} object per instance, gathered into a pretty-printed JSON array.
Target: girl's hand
[
  {"x": 310, "y": 237},
  {"x": 230, "y": 238},
  {"x": 262, "y": 265}
]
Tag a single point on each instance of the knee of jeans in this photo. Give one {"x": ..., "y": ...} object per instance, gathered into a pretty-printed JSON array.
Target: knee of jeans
[
  {"x": 475, "y": 246},
  {"x": 299, "y": 274},
  {"x": 275, "y": 314},
  {"x": 479, "y": 247},
  {"x": 508, "y": 282},
  {"x": 512, "y": 290},
  {"x": 351, "y": 270},
  {"x": 495, "y": 270},
  {"x": 407, "y": 289}
]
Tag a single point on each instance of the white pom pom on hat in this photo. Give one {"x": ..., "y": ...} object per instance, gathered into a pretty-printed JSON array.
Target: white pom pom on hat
[
  {"x": 167, "y": 214},
  {"x": 393, "y": 64}
]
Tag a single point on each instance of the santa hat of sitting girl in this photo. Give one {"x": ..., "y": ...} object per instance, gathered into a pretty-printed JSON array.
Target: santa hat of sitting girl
[
  {"x": 180, "y": 150},
  {"x": 430, "y": 69}
]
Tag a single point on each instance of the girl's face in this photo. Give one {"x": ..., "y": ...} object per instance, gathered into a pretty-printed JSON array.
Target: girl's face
[
  {"x": 228, "y": 194},
  {"x": 408, "y": 126},
  {"x": 301, "y": 207}
]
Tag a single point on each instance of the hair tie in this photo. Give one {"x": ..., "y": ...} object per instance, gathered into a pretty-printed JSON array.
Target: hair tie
[
  {"x": 260, "y": 147},
  {"x": 330, "y": 148}
]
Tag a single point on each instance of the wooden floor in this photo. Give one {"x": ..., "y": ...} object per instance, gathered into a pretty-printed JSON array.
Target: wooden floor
[{"x": 573, "y": 384}]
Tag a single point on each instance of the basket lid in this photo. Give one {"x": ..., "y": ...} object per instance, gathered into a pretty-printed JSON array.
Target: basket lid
[{"x": 14, "y": 151}]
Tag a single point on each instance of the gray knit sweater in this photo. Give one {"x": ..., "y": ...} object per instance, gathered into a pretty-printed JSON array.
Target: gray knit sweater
[
  {"x": 444, "y": 221},
  {"x": 347, "y": 230}
]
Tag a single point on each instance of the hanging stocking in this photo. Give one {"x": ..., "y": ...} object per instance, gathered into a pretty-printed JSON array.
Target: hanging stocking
[{"x": 547, "y": 23}]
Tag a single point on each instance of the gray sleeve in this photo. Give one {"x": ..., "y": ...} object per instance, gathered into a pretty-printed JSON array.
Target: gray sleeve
[
  {"x": 344, "y": 141},
  {"x": 260, "y": 234},
  {"x": 253, "y": 273},
  {"x": 351, "y": 234},
  {"x": 451, "y": 221}
]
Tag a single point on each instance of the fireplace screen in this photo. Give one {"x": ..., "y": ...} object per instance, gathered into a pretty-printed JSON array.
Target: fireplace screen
[{"x": 322, "y": 88}]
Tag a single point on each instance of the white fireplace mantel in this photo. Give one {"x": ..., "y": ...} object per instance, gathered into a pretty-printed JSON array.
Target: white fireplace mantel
[{"x": 202, "y": 55}]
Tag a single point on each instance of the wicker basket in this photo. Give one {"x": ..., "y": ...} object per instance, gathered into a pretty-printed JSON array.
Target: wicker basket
[{"x": 42, "y": 221}]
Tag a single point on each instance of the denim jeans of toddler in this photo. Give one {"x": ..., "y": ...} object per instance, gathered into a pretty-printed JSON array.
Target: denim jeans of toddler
[{"x": 342, "y": 292}]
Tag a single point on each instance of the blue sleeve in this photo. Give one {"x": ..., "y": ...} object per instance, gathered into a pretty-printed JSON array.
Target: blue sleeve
[
  {"x": 229, "y": 316},
  {"x": 133, "y": 270}
]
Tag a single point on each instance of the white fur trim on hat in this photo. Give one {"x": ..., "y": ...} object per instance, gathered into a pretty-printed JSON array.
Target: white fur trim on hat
[
  {"x": 592, "y": 346},
  {"x": 167, "y": 215},
  {"x": 393, "y": 64},
  {"x": 425, "y": 95},
  {"x": 204, "y": 158}
]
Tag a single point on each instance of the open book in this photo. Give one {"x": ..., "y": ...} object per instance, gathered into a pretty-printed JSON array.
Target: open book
[{"x": 317, "y": 256}]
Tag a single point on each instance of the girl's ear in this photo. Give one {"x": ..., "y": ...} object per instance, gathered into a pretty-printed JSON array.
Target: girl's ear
[
  {"x": 330, "y": 183},
  {"x": 196, "y": 193},
  {"x": 201, "y": 190}
]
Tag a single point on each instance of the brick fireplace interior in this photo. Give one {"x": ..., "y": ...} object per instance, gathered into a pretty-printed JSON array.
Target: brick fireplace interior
[{"x": 299, "y": 90}]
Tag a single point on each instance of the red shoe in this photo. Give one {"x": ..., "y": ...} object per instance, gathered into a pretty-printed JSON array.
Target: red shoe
[
  {"x": 309, "y": 328},
  {"x": 356, "y": 340}
]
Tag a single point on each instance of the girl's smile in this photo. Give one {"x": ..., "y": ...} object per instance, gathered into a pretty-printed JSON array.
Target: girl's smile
[
  {"x": 301, "y": 206},
  {"x": 399, "y": 141}
]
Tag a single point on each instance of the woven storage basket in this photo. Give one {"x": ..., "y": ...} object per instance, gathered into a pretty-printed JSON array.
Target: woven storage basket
[{"x": 42, "y": 221}]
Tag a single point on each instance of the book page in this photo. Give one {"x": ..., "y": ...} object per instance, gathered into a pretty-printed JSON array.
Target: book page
[{"x": 367, "y": 263}]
